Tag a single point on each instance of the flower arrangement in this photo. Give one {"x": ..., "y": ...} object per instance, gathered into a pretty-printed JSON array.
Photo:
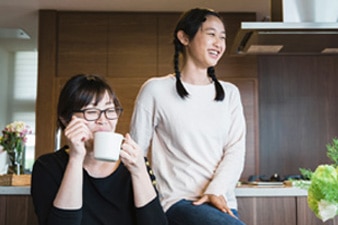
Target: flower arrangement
[
  {"x": 13, "y": 140},
  {"x": 323, "y": 188}
]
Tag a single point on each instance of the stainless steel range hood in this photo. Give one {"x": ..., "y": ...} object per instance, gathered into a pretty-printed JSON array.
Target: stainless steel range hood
[{"x": 308, "y": 27}]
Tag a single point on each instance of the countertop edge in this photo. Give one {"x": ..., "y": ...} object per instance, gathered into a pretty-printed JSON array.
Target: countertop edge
[
  {"x": 269, "y": 192},
  {"x": 15, "y": 190},
  {"x": 239, "y": 192}
]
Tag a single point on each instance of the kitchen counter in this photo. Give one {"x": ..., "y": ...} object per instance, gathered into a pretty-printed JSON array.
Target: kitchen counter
[
  {"x": 15, "y": 190},
  {"x": 257, "y": 204},
  {"x": 241, "y": 191},
  {"x": 262, "y": 191}
]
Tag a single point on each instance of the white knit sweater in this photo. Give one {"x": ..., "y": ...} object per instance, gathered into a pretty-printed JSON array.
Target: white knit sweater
[{"x": 197, "y": 144}]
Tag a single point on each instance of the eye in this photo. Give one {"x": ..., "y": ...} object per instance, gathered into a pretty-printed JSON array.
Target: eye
[
  {"x": 111, "y": 111},
  {"x": 91, "y": 111}
]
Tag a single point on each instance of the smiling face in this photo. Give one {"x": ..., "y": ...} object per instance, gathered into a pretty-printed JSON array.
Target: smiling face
[
  {"x": 84, "y": 91},
  {"x": 102, "y": 123},
  {"x": 208, "y": 45}
]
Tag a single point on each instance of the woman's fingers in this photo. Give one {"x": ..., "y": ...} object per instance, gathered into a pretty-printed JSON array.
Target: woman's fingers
[
  {"x": 77, "y": 130},
  {"x": 131, "y": 154},
  {"x": 218, "y": 202}
]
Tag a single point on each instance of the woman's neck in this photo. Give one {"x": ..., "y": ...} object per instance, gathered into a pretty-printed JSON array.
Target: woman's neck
[
  {"x": 99, "y": 169},
  {"x": 195, "y": 76}
]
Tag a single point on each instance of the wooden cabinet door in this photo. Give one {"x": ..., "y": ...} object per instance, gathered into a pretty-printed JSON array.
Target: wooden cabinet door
[
  {"x": 17, "y": 209},
  {"x": 132, "y": 45},
  {"x": 306, "y": 217},
  {"x": 247, "y": 210},
  {"x": 132, "y": 57},
  {"x": 268, "y": 210},
  {"x": 82, "y": 43},
  {"x": 166, "y": 26}
]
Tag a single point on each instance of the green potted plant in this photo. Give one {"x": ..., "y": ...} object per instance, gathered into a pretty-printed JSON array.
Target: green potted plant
[{"x": 323, "y": 189}]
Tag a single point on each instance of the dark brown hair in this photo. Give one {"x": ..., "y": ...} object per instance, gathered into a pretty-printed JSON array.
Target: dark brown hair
[{"x": 189, "y": 23}]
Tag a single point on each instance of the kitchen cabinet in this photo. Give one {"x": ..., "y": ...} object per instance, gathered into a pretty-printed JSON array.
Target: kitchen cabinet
[
  {"x": 256, "y": 206},
  {"x": 17, "y": 209},
  {"x": 268, "y": 210},
  {"x": 116, "y": 44},
  {"x": 132, "y": 50},
  {"x": 166, "y": 26},
  {"x": 82, "y": 49},
  {"x": 297, "y": 111},
  {"x": 277, "y": 206},
  {"x": 305, "y": 215}
]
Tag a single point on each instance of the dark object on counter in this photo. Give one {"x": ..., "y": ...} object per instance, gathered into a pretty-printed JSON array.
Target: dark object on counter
[
  {"x": 294, "y": 177},
  {"x": 274, "y": 177}
]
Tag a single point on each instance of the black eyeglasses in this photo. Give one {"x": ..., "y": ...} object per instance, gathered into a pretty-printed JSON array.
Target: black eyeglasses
[{"x": 94, "y": 114}]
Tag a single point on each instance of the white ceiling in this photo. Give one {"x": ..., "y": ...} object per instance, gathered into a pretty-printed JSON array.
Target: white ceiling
[{"x": 24, "y": 13}]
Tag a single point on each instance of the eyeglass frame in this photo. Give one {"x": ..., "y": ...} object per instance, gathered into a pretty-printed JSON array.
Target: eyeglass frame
[{"x": 118, "y": 111}]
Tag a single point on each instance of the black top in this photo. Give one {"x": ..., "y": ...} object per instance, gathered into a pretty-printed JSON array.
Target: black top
[{"x": 106, "y": 200}]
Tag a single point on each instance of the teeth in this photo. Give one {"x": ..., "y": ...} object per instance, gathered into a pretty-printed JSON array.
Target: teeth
[{"x": 213, "y": 52}]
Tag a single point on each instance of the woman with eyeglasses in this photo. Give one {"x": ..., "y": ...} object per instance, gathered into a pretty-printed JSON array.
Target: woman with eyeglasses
[
  {"x": 70, "y": 186},
  {"x": 195, "y": 127}
]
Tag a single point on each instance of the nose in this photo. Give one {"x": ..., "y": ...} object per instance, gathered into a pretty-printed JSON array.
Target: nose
[
  {"x": 220, "y": 43},
  {"x": 102, "y": 117}
]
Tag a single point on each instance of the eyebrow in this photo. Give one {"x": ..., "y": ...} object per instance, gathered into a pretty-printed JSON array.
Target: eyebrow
[
  {"x": 110, "y": 101},
  {"x": 213, "y": 29}
]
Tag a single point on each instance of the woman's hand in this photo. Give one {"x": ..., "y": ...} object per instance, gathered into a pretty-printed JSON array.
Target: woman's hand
[
  {"x": 77, "y": 134},
  {"x": 218, "y": 202},
  {"x": 131, "y": 155}
]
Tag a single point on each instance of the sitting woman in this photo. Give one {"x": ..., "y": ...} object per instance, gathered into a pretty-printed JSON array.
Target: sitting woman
[{"x": 70, "y": 186}]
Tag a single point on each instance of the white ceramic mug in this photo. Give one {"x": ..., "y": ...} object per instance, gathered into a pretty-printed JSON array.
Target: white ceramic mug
[{"x": 107, "y": 145}]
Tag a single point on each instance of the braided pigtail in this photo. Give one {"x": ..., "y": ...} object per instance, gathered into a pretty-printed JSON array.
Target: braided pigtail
[
  {"x": 182, "y": 92},
  {"x": 189, "y": 23},
  {"x": 218, "y": 87}
]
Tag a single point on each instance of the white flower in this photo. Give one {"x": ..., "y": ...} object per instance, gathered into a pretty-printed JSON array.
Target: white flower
[{"x": 327, "y": 210}]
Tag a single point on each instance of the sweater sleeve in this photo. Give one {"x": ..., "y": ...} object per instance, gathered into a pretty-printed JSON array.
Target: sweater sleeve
[
  {"x": 151, "y": 214},
  {"x": 46, "y": 177},
  {"x": 64, "y": 217},
  {"x": 143, "y": 117},
  {"x": 231, "y": 165}
]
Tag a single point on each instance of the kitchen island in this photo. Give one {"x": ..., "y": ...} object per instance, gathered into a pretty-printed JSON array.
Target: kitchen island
[
  {"x": 242, "y": 191},
  {"x": 257, "y": 205},
  {"x": 280, "y": 205}
]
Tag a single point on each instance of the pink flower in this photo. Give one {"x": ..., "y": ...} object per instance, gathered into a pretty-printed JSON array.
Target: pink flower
[{"x": 14, "y": 135}]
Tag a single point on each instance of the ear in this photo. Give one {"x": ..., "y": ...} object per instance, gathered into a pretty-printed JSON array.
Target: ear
[{"x": 182, "y": 37}]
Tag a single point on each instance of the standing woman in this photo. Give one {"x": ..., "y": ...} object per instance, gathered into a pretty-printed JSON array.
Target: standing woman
[
  {"x": 195, "y": 127},
  {"x": 70, "y": 186}
]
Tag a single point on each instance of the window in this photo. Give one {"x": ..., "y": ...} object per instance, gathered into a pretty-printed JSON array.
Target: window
[{"x": 22, "y": 98}]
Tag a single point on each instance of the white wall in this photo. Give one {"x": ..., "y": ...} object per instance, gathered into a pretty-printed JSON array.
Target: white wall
[{"x": 4, "y": 71}]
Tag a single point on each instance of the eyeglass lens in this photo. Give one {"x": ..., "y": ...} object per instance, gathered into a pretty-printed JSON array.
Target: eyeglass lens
[{"x": 94, "y": 114}]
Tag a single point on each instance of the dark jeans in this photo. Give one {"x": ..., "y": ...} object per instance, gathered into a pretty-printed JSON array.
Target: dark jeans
[{"x": 185, "y": 213}]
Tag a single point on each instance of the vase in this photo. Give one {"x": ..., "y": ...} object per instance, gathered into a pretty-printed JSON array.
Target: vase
[
  {"x": 16, "y": 157},
  {"x": 3, "y": 162}
]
